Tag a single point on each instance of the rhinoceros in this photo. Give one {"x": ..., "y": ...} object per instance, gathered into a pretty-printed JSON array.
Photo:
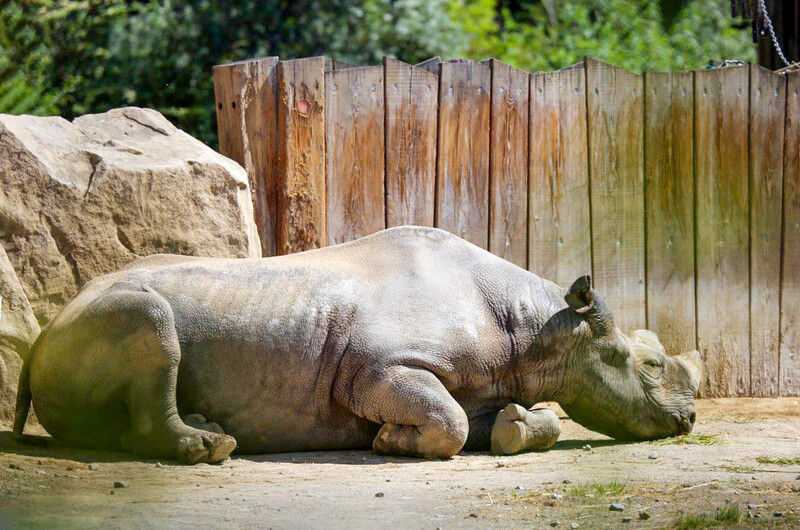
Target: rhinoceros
[{"x": 411, "y": 341}]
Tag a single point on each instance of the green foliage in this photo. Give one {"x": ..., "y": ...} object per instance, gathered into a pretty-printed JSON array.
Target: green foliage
[
  {"x": 23, "y": 89},
  {"x": 546, "y": 35},
  {"x": 728, "y": 514},
  {"x": 71, "y": 57},
  {"x": 92, "y": 55}
]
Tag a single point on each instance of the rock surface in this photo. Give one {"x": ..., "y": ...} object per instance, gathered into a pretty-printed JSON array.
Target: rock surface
[
  {"x": 81, "y": 199},
  {"x": 18, "y": 331},
  {"x": 85, "y": 198}
]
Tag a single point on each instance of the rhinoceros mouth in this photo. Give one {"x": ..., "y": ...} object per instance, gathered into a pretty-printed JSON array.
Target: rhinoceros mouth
[{"x": 684, "y": 420}]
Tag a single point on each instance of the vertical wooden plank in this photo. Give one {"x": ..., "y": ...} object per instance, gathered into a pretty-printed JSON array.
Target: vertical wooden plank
[
  {"x": 462, "y": 188},
  {"x": 229, "y": 119},
  {"x": 301, "y": 155},
  {"x": 247, "y": 123},
  {"x": 614, "y": 114},
  {"x": 722, "y": 241},
  {"x": 669, "y": 208},
  {"x": 767, "y": 115},
  {"x": 354, "y": 155},
  {"x": 560, "y": 246},
  {"x": 336, "y": 64},
  {"x": 559, "y": 222},
  {"x": 790, "y": 269},
  {"x": 508, "y": 171},
  {"x": 431, "y": 65},
  {"x": 412, "y": 96}
]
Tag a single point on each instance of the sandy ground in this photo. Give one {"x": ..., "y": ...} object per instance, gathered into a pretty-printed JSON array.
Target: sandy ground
[{"x": 54, "y": 487}]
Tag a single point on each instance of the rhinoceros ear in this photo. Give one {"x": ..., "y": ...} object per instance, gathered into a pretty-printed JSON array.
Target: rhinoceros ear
[
  {"x": 579, "y": 296},
  {"x": 586, "y": 302}
]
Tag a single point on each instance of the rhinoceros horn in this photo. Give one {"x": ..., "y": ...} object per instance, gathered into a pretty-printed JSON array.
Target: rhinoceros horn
[{"x": 585, "y": 301}]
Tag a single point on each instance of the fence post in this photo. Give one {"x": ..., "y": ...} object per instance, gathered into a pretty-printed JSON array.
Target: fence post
[
  {"x": 354, "y": 156},
  {"x": 669, "y": 208},
  {"x": 767, "y": 115},
  {"x": 722, "y": 242},
  {"x": 508, "y": 163},
  {"x": 247, "y": 119},
  {"x": 614, "y": 116},
  {"x": 559, "y": 225},
  {"x": 411, "y": 110},
  {"x": 462, "y": 184},
  {"x": 790, "y": 269},
  {"x": 301, "y": 155}
]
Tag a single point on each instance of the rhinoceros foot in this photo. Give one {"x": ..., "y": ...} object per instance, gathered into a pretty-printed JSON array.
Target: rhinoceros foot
[
  {"x": 205, "y": 447},
  {"x": 517, "y": 429}
]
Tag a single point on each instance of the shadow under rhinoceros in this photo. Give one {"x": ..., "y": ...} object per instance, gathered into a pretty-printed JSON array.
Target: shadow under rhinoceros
[
  {"x": 55, "y": 449},
  {"x": 572, "y": 445},
  {"x": 59, "y": 451}
]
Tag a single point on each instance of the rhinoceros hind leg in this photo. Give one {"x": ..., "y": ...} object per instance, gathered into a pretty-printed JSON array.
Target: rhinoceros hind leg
[
  {"x": 419, "y": 416},
  {"x": 141, "y": 325},
  {"x": 517, "y": 429}
]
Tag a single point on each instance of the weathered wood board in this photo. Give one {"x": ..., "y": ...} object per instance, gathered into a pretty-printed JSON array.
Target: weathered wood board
[
  {"x": 336, "y": 64},
  {"x": 301, "y": 155},
  {"x": 678, "y": 192},
  {"x": 559, "y": 226},
  {"x": 614, "y": 117},
  {"x": 247, "y": 121},
  {"x": 508, "y": 168},
  {"x": 669, "y": 208},
  {"x": 462, "y": 194},
  {"x": 790, "y": 274},
  {"x": 354, "y": 157},
  {"x": 431, "y": 65},
  {"x": 412, "y": 98},
  {"x": 767, "y": 115},
  {"x": 722, "y": 248}
]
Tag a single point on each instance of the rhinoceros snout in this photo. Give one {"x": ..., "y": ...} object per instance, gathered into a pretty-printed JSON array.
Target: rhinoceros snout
[{"x": 685, "y": 419}]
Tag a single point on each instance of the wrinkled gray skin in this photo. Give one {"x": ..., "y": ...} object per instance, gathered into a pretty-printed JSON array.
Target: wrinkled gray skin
[{"x": 410, "y": 340}]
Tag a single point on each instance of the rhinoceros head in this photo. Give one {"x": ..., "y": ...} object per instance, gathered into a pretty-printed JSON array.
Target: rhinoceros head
[{"x": 625, "y": 386}]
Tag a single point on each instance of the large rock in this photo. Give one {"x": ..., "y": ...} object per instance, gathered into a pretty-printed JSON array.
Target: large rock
[
  {"x": 18, "y": 331},
  {"x": 81, "y": 199}
]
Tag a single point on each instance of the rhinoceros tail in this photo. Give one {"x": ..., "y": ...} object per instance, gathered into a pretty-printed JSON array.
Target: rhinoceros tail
[{"x": 24, "y": 401}]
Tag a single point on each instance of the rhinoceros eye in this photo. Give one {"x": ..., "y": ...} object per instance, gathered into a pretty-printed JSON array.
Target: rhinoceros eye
[{"x": 655, "y": 369}]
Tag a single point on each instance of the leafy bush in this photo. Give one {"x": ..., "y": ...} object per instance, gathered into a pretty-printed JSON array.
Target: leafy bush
[{"x": 71, "y": 57}]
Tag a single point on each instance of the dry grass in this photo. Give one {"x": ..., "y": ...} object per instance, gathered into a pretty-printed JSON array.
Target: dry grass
[
  {"x": 691, "y": 439},
  {"x": 613, "y": 488},
  {"x": 779, "y": 461}
]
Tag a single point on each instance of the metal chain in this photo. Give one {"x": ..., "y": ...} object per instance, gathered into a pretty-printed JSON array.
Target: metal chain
[{"x": 762, "y": 11}]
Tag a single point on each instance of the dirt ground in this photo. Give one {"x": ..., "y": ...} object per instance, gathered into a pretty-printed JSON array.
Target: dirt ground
[{"x": 569, "y": 485}]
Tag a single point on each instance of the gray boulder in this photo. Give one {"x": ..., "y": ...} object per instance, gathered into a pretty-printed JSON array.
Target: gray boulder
[
  {"x": 18, "y": 331},
  {"x": 82, "y": 199}
]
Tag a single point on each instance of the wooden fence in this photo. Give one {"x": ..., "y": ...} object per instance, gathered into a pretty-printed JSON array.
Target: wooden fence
[{"x": 679, "y": 192}]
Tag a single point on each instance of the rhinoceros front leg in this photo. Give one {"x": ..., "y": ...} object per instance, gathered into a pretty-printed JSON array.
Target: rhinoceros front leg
[
  {"x": 419, "y": 416},
  {"x": 518, "y": 429}
]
